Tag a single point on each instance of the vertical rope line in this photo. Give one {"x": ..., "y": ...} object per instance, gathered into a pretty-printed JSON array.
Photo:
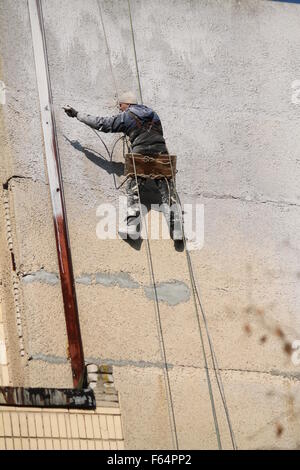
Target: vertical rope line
[
  {"x": 108, "y": 50},
  {"x": 195, "y": 302},
  {"x": 215, "y": 362},
  {"x": 212, "y": 401},
  {"x": 159, "y": 325},
  {"x": 195, "y": 289},
  {"x": 135, "y": 55},
  {"x": 151, "y": 270}
]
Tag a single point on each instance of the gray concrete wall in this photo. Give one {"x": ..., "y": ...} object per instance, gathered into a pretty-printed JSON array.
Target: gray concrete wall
[{"x": 219, "y": 73}]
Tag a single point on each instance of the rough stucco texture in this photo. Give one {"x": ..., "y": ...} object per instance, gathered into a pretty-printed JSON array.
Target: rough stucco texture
[{"x": 220, "y": 75}]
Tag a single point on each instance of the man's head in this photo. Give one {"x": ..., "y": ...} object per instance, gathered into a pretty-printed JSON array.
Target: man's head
[{"x": 126, "y": 99}]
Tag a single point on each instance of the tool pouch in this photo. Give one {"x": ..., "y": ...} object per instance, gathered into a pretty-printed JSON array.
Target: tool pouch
[{"x": 154, "y": 166}]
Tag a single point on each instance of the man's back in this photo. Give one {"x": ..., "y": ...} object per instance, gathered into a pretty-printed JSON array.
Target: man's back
[{"x": 139, "y": 122}]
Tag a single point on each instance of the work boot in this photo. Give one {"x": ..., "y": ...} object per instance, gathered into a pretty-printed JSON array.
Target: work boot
[
  {"x": 129, "y": 229},
  {"x": 176, "y": 231}
]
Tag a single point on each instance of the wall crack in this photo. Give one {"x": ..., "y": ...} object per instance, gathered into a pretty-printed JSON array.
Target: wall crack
[{"x": 210, "y": 195}]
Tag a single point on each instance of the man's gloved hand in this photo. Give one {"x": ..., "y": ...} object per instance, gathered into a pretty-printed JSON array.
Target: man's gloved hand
[{"x": 71, "y": 112}]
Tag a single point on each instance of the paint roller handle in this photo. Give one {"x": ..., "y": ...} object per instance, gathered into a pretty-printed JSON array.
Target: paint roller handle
[{"x": 71, "y": 112}]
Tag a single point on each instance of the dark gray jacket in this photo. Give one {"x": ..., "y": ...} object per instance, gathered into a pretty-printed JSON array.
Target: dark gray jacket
[{"x": 140, "y": 123}]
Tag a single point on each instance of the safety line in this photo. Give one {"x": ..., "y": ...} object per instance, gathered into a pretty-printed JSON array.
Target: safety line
[
  {"x": 210, "y": 390},
  {"x": 193, "y": 284},
  {"x": 108, "y": 50},
  {"x": 149, "y": 257},
  {"x": 135, "y": 56},
  {"x": 150, "y": 265},
  {"x": 209, "y": 384},
  {"x": 158, "y": 319},
  {"x": 213, "y": 355},
  {"x": 215, "y": 364}
]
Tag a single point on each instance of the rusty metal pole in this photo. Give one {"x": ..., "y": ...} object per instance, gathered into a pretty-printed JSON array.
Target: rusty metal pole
[{"x": 57, "y": 195}]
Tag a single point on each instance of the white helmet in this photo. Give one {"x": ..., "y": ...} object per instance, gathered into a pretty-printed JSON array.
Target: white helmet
[{"x": 128, "y": 97}]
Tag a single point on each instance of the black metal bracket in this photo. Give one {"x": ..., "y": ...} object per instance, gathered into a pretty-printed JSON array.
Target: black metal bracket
[{"x": 48, "y": 397}]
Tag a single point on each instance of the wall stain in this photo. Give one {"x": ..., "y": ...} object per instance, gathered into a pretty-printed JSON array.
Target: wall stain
[{"x": 172, "y": 292}]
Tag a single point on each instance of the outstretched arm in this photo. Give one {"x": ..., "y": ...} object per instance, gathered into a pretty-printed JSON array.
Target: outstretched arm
[{"x": 103, "y": 124}]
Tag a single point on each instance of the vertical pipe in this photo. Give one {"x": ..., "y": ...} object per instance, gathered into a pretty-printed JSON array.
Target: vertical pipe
[{"x": 57, "y": 195}]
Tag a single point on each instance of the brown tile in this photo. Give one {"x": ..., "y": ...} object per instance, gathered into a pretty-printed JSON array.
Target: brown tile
[
  {"x": 68, "y": 424},
  {"x": 64, "y": 444},
  {"x": 54, "y": 425},
  {"x": 31, "y": 425},
  {"x": 81, "y": 426},
  {"x": 91, "y": 445},
  {"x": 1, "y": 424},
  {"x": 23, "y": 424},
  {"x": 46, "y": 424},
  {"x": 39, "y": 425},
  {"x": 103, "y": 426},
  {"x": 74, "y": 426},
  {"x": 49, "y": 444},
  {"x": 120, "y": 445},
  {"x": 41, "y": 444},
  {"x": 110, "y": 427},
  {"x": 71, "y": 444},
  {"x": 89, "y": 426},
  {"x": 99, "y": 445},
  {"x": 56, "y": 444},
  {"x": 96, "y": 427},
  {"x": 106, "y": 445},
  {"x": 15, "y": 424},
  {"x": 118, "y": 427},
  {"x": 18, "y": 444},
  {"x": 25, "y": 444},
  {"x": 62, "y": 426},
  {"x": 7, "y": 424},
  {"x": 76, "y": 444},
  {"x": 33, "y": 444},
  {"x": 9, "y": 444},
  {"x": 83, "y": 444}
]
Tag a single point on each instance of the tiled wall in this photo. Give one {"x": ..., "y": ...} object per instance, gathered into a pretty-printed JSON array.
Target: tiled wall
[
  {"x": 4, "y": 380},
  {"x": 49, "y": 429}
]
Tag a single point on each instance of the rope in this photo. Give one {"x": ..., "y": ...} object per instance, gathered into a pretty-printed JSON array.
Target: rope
[
  {"x": 210, "y": 390},
  {"x": 213, "y": 355},
  {"x": 153, "y": 176},
  {"x": 106, "y": 148},
  {"x": 149, "y": 257},
  {"x": 135, "y": 56},
  {"x": 192, "y": 278},
  {"x": 108, "y": 50},
  {"x": 159, "y": 325},
  {"x": 204, "y": 353}
]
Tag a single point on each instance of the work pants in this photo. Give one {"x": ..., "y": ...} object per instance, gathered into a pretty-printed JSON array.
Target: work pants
[{"x": 167, "y": 192}]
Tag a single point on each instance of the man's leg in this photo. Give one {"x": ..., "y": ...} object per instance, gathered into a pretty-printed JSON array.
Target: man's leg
[
  {"x": 171, "y": 207},
  {"x": 133, "y": 218}
]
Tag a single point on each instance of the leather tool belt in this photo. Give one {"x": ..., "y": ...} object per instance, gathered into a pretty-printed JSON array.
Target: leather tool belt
[{"x": 154, "y": 166}]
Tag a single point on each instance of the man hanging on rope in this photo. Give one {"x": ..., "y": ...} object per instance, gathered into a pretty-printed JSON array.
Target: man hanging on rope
[{"x": 143, "y": 127}]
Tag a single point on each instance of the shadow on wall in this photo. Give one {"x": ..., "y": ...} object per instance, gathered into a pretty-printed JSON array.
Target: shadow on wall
[
  {"x": 149, "y": 194},
  {"x": 116, "y": 168}
]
